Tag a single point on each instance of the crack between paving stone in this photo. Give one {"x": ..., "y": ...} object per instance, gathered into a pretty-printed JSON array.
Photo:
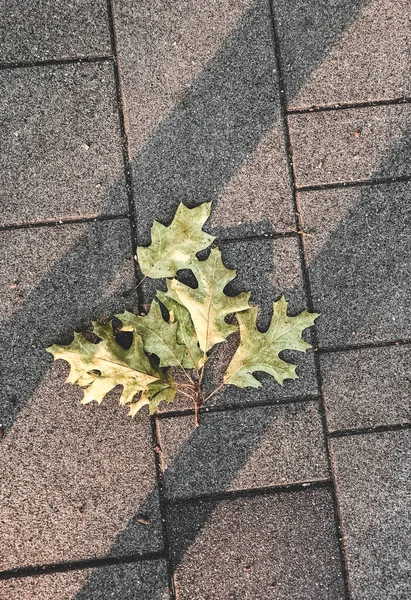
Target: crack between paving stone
[{"x": 307, "y": 290}]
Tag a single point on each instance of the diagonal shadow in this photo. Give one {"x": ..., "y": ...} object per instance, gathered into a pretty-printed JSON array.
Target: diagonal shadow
[
  {"x": 168, "y": 169},
  {"x": 175, "y": 150},
  {"x": 382, "y": 216}
]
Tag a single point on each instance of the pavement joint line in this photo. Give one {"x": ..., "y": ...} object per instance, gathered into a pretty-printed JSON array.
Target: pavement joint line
[
  {"x": 356, "y": 183},
  {"x": 56, "y": 62},
  {"x": 62, "y": 222},
  {"x": 162, "y": 502},
  {"x": 364, "y": 346},
  {"x": 258, "y": 236},
  {"x": 348, "y": 105},
  {"x": 139, "y": 276},
  {"x": 252, "y": 492},
  {"x": 205, "y": 410},
  {"x": 70, "y": 221},
  {"x": 307, "y": 289},
  {"x": 367, "y": 430},
  {"x": 64, "y": 567},
  {"x": 124, "y": 139}
]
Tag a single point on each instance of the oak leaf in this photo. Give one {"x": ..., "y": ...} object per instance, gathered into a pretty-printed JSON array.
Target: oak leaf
[
  {"x": 174, "y": 247},
  {"x": 101, "y": 367},
  {"x": 207, "y": 304},
  {"x": 159, "y": 337},
  {"x": 260, "y": 351},
  {"x": 186, "y": 334}
]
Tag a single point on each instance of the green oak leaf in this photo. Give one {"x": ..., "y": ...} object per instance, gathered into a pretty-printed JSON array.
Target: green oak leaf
[
  {"x": 259, "y": 351},
  {"x": 152, "y": 395},
  {"x": 101, "y": 367},
  {"x": 186, "y": 334},
  {"x": 159, "y": 337},
  {"x": 174, "y": 247},
  {"x": 207, "y": 304}
]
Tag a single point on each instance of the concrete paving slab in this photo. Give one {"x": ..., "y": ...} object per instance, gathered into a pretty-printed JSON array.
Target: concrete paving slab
[
  {"x": 61, "y": 152},
  {"x": 367, "y": 387},
  {"x": 55, "y": 280},
  {"x": 75, "y": 477},
  {"x": 78, "y": 482},
  {"x": 351, "y": 145},
  {"x": 54, "y": 29},
  {"x": 145, "y": 581},
  {"x": 359, "y": 262},
  {"x": 243, "y": 449},
  {"x": 203, "y": 113},
  {"x": 274, "y": 546},
  {"x": 373, "y": 486},
  {"x": 269, "y": 268},
  {"x": 344, "y": 51}
]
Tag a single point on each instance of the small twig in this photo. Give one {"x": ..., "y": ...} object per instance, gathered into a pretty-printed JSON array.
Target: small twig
[
  {"x": 128, "y": 292},
  {"x": 215, "y": 391}
]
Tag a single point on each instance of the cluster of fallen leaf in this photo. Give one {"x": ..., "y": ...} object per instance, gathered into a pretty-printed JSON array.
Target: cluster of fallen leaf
[{"x": 196, "y": 323}]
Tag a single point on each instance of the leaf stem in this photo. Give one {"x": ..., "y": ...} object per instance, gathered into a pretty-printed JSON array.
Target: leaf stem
[
  {"x": 215, "y": 391},
  {"x": 201, "y": 371},
  {"x": 129, "y": 292},
  {"x": 187, "y": 375},
  {"x": 196, "y": 423},
  {"x": 188, "y": 395}
]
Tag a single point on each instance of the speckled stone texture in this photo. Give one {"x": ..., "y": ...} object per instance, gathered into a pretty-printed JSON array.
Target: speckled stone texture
[
  {"x": 359, "y": 262},
  {"x": 243, "y": 449},
  {"x": 74, "y": 477},
  {"x": 369, "y": 387},
  {"x": 145, "y": 581},
  {"x": 77, "y": 480},
  {"x": 60, "y": 154},
  {"x": 55, "y": 280},
  {"x": 203, "y": 113},
  {"x": 373, "y": 485},
  {"x": 53, "y": 29},
  {"x": 336, "y": 51},
  {"x": 351, "y": 145},
  {"x": 273, "y": 546}
]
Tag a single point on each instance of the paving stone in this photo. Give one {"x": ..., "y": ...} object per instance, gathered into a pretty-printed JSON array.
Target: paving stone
[
  {"x": 54, "y": 30},
  {"x": 76, "y": 480},
  {"x": 281, "y": 546},
  {"x": 374, "y": 492},
  {"x": 367, "y": 387},
  {"x": 351, "y": 145},
  {"x": 61, "y": 146},
  {"x": 74, "y": 477},
  {"x": 55, "y": 280},
  {"x": 242, "y": 449},
  {"x": 145, "y": 580},
  {"x": 269, "y": 268},
  {"x": 345, "y": 50},
  {"x": 360, "y": 255},
  {"x": 203, "y": 113}
]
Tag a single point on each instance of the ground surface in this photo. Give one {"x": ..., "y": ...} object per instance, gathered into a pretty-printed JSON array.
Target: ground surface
[{"x": 294, "y": 120}]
